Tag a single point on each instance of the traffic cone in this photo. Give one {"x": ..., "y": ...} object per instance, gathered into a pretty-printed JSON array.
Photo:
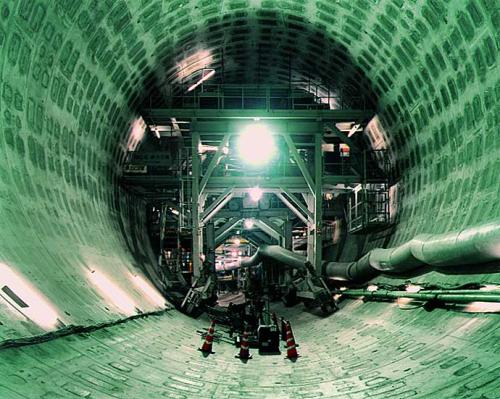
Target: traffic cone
[
  {"x": 206, "y": 348},
  {"x": 291, "y": 348},
  {"x": 244, "y": 347}
]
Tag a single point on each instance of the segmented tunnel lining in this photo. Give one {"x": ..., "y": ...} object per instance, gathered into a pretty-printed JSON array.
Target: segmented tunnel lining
[{"x": 72, "y": 76}]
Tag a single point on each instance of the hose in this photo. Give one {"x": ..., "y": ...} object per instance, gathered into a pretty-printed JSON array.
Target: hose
[
  {"x": 278, "y": 254},
  {"x": 443, "y": 296},
  {"x": 479, "y": 244}
]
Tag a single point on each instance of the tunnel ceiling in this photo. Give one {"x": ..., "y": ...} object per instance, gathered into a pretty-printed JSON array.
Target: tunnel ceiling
[{"x": 263, "y": 46}]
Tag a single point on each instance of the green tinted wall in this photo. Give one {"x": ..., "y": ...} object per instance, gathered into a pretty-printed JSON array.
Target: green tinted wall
[{"x": 74, "y": 73}]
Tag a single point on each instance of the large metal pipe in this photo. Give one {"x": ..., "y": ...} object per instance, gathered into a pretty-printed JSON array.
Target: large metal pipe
[
  {"x": 474, "y": 245},
  {"x": 479, "y": 244},
  {"x": 449, "y": 297},
  {"x": 278, "y": 254}
]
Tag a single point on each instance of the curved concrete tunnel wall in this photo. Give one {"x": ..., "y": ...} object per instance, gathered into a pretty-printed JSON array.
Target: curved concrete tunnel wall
[{"x": 73, "y": 74}]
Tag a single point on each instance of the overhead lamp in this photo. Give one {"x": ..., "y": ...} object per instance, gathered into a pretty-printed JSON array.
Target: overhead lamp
[
  {"x": 255, "y": 193},
  {"x": 206, "y": 74},
  {"x": 256, "y": 145},
  {"x": 152, "y": 294},
  {"x": 26, "y": 300},
  {"x": 248, "y": 223},
  {"x": 113, "y": 293}
]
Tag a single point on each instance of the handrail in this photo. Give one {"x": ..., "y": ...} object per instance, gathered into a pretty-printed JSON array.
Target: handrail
[{"x": 271, "y": 96}]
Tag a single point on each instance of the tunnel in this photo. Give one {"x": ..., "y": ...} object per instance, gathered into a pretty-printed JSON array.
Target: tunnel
[{"x": 85, "y": 311}]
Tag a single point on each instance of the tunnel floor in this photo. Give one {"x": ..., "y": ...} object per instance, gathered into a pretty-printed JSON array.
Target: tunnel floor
[{"x": 366, "y": 350}]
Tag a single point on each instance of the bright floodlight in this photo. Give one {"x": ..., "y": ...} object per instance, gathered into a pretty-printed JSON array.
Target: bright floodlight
[
  {"x": 255, "y": 193},
  {"x": 256, "y": 145},
  {"x": 248, "y": 224}
]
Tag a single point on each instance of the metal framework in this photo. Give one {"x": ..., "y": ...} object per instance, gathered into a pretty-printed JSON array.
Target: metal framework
[
  {"x": 303, "y": 129},
  {"x": 295, "y": 95}
]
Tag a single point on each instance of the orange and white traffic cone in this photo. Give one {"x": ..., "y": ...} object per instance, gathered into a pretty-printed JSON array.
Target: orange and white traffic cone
[
  {"x": 244, "y": 347},
  {"x": 291, "y": 348},
  {"x": 206, "y": 348}
]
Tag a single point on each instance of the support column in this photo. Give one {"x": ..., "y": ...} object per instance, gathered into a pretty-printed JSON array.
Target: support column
[
  {"x": 288, "y": 234},
  {"x": 318, "y": 202},
  {"x": 195, "y": 196},
  {"x": 210, "y": 237},
  {"x": 309, "y": 198}
]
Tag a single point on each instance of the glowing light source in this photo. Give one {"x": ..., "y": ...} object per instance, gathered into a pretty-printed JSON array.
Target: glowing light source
[
  {"x": 136, "y": 133},
  {"x": 255, "y": 193},
  {"x": 490, "y": 287},
  {"x": 372, "y": 288},
  {"x": 152, "y": 294},
  {"x": 204, "y": 77},
  {"x": 413, "y": 288},
  {"x": 199, "y": 60},
  {"x": 248, "y": 223},
  {"x": 25, "y": 299},
  {"x": 483, "y": 307},
  {"x": 113, "y": 293},
  {"x": 256, "y": 145}
]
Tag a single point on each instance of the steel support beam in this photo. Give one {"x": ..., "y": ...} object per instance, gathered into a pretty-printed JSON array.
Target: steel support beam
[
  {"x": 287, "y": 230},
  {"x": 261, "y": 237},
  {"x": 297, "y": 202},
  {"x": 163, "y": 115},
  {"x": 214, "y": 162},
  {"x": 318, "y": 202},
  {"x": 195, "y": 207},
  {"x": 309, "y": 198},
  {"x": 219, "y": 184},
  {"x": 300, "y": 162},
  {"x": 219, "y": 127},
  {"x": 342, "y": 136},
  {"x": 256, "y": 243},
  {"x": 295, "y": 210},
  {"x": 217, "y": 205},
  {"x": 222, "y": 232},
  {"x": 296, "y": 184},
  {"x": 271, "y": 224},
  {"x": 266, "y": 229},
  {"x": 210, "y": 238},
  {"x": 253, "y": 213}
]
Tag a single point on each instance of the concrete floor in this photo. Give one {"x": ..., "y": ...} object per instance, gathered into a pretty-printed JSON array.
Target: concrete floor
[{"x": 372, "y": 350}]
